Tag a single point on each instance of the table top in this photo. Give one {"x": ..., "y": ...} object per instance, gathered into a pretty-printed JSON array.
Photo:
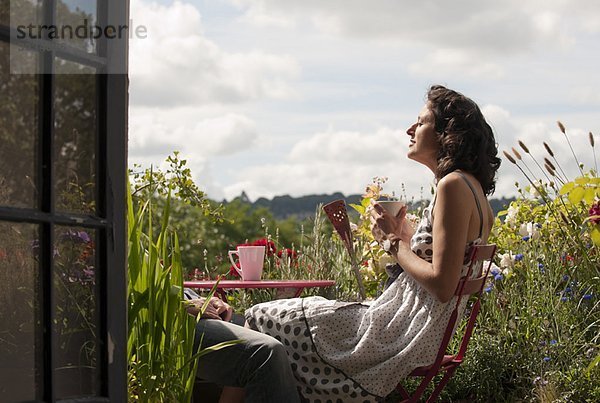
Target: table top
[{"x": 259, "y": 283}]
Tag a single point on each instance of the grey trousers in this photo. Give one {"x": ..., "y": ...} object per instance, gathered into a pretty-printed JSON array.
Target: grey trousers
[{"x": 259, "y": 364}]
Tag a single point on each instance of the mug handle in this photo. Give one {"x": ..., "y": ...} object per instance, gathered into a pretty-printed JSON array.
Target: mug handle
[{"x": 234, "y": 252}]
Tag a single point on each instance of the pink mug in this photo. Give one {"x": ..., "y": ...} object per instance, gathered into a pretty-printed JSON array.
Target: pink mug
[{"x": 251, "y": 261}]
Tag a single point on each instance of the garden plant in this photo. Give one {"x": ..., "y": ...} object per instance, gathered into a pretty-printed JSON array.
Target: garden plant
[{"x": 538, "y": 335}]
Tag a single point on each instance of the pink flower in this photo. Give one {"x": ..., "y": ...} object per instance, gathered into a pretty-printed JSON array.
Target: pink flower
[{"x": 595, "y": 213}]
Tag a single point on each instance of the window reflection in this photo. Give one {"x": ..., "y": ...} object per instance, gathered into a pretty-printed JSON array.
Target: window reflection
[
  {"x": 75, "y": 324},
  {"x": 19, "y": 311},
  {"x": 20, "y": 12},
  {"x": 75, "y": 19},
  {"x": 18, "y": 128},
  {"x": 75, "y": 129}
]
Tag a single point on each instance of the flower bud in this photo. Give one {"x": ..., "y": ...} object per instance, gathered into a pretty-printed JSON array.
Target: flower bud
[
  {"x": 547, "y": 161},
  {"x": 547, "y": 147},
  {"x": 509, "y": 157},
  {"x": 561, "y": 127},
  {"x": 591, "y": 137},
  {"x": 516, "y": 153},
  {"x": 523, "y": 146}
]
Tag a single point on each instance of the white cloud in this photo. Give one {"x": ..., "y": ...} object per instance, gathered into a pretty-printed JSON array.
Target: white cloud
[
  {"x": 159, "y": 132},
  {"x": 504, "y": 25},
  {"x": 346, "y": 147},
  {"x": 452, "y": 61},
  {"x": 177, "y": 65},
  {"x": 336, "y": 161}
]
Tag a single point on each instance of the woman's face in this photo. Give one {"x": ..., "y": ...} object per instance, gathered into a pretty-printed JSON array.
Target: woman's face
[{"x": 424, "y": 142}]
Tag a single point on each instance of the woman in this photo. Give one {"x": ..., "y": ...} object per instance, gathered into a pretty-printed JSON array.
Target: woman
[{"x": 346, "y": 352}]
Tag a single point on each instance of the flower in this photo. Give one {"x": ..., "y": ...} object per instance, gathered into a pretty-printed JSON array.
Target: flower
[
  {"x": 533, "y": 189},
  {"x": 233, "y": 272},
  {"x": 595, "y": 213},
  {"x": 498, "y": 277},
  {"x": 553, "y": 342},
  {"x": 511, "y": 215},
  {"x": 488, "y": 288},
  {"x": 506, "y": 260},
  {"x": 587, "y": 296},
  {"x": 268, "y": 244},
  {"x": 530, "y": 230},
  {"x": 518, "y": 257},
  {"x": 546, "y": 359}
]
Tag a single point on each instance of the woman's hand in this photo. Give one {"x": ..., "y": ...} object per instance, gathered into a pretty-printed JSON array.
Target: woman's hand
[
  {"x": 385, "y": 226},
  {"x": 216, "y": 309}
]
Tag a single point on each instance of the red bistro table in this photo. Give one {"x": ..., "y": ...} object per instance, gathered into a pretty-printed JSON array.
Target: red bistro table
[{"x": 285, "y": 288}]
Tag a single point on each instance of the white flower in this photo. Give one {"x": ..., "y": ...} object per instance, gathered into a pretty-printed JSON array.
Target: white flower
[
  {"x": 529, "y": 229},
  {"x": 506, "y": 260},
  {"x": 523, "y": 230},
  {"x": 511, "y": 215},
  {"x": 533, "y": 189}
]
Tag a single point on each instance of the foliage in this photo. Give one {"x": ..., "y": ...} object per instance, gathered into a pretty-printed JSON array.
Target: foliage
[
  {"x": 539, "y": 329},
  {"x": 162, "y": 363}
]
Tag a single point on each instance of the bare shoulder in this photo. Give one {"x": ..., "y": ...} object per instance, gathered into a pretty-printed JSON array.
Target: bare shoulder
[{"x": 452, "y": 186}]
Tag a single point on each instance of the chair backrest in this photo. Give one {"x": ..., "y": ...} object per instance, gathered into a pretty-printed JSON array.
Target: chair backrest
[
  {"x": 338, "y": 215},
  {"x": 466, "y": 288}
]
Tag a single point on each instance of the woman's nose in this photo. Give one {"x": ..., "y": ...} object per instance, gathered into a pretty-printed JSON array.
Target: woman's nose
[{"x": 411, "y": 130}]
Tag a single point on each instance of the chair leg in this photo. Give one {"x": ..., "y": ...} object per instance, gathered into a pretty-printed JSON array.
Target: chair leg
[
  {"x": 421, "y": 388},
  {"x": 440, "y": 386}
]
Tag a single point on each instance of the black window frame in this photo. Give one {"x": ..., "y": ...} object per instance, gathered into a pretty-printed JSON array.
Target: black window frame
[{"x": 110, "y": 218}]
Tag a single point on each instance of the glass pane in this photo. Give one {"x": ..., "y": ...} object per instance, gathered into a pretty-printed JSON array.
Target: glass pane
[
  {"x": 18, "y": 128},
  {"x": 77, "y": 24},
  {"x": 19, "y": 308},
  {"x": 75, "y": 128},
  {"x": 20, "y": 12},
  {"x": 76, "y": 323}
]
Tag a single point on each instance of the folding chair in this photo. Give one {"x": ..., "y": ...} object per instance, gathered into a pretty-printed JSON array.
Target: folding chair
[{"x": 448, "y": 364}]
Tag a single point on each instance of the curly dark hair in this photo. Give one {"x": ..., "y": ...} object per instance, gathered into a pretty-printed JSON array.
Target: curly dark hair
[{"x": 466, "y": 139}]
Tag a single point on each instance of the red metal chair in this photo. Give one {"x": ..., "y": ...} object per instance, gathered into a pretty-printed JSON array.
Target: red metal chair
[{"x": 448, "y": 363}]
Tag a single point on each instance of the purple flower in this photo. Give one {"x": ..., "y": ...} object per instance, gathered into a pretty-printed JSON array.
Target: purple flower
[
  {"x": 566, "y": 277},
  {"x": 498, "y": 277},
  {"x": 587, "y": 296},
  {"x": 540, "y": 265},
  {"x": 546, "y": 359},
  {"x": 563, "y": 299},
  {"x": 553, "y": 342},
  {"x": 526, "y": 238},
  {"x": 488, "y": 288},
  {"x": 494, "y": 271},
  {"x": 519, "y": 257}
]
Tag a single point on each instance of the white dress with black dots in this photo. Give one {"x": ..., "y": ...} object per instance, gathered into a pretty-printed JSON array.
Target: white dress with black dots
[{"x": 358, "y": 352}]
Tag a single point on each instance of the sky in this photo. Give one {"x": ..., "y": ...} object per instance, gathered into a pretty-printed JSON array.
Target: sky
[{"x": 276, "y": 97}]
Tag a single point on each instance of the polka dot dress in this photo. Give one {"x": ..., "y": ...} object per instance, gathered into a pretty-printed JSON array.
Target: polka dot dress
[{"x": 358, "y": 352}]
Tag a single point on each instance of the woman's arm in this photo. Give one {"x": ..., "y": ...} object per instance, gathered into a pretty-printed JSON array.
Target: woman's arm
[{"x": 452, "y": 213}]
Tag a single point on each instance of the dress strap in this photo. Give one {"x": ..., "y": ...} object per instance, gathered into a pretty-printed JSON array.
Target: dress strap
[{"x": 476, "y": 201}]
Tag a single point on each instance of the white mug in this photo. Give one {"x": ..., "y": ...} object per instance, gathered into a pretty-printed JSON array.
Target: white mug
[
  {"x": 391, "y": 206},
  {"x": 251, "y": 261}
]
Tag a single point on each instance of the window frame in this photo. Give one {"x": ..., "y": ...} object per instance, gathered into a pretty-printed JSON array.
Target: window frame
[{"x": 110, "y": 218}]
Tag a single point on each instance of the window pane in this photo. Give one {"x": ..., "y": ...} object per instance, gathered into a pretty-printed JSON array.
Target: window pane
[
  {"x": 20, "y": 12},
  {"x": 76, "y": 21},
  {"x": 76, "y": 321},
  {"x": 75, "y": 128},
  {"x": 20, "y": 343},
  {"x": 18, "y": 128}
]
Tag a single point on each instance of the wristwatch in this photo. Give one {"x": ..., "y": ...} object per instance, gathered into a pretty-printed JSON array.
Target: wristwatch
[{"x": 388, "y": 244}]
